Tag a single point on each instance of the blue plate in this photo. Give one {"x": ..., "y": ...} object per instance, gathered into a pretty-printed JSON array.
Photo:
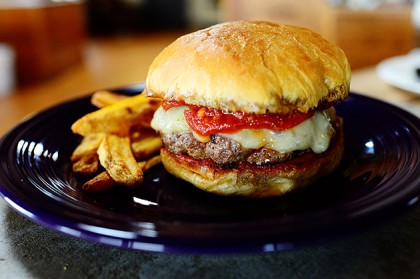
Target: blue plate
[{"x": 379, "y": 176}]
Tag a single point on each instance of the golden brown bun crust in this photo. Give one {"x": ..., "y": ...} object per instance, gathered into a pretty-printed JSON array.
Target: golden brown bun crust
[
  {"x": 253, "y": 181},
  {"x": 251, "y": 66}
]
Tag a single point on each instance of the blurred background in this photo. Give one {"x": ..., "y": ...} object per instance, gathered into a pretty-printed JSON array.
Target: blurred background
[{"x": 40, "y": 39}]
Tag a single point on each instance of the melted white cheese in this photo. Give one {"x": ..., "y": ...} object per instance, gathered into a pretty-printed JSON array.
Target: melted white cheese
[
  {"x": 314, "y": 133},
  {"x": 170, "y": 121}
]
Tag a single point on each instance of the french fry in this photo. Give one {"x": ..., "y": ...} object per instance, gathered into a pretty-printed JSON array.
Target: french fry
[
  {"x": 118, "y": 118},
  {"x": 116, "y": 157},
  {"x": 105, "y": 98},
  {"x": 88, "y": 145},
  {"x": 149, "y": 163},
  {"x": 87, "y": 165},
  {"x": 145, "y": 145},
  {"x": 118, "y": 137},
  {"x": 103, "y": 181},
  {"x": 85, "y": 157}
]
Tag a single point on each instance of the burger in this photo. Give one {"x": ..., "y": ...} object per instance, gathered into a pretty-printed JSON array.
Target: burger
[{"x": 247, "y": 107}]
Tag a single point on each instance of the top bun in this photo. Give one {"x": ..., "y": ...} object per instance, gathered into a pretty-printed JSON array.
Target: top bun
[{"x": 251, "y": 66}]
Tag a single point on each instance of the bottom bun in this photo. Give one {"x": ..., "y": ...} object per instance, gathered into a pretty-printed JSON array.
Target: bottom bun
[{"x": 257, "y": 181}]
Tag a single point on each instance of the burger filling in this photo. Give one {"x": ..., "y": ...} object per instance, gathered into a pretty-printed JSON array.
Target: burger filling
[{"x": 227, "y": 138}]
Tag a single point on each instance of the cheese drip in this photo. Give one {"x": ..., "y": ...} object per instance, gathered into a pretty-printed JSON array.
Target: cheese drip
[{"x": 314, "y": 133}]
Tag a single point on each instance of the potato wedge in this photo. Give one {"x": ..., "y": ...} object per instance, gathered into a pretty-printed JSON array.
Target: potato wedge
[
  {"x": 118, "y": 118},
  {"x": 149, "y": 163},
  {"x": 85, "y": 158},
  {"x": 145, "y": 145},
  {"x": 100, "y": 182},
  {"x": 87, "y": 165},
  {"x": 116, "y": 136},
  {"x": 88, "y": 145},
  {"x": 116, "y": 157},
  {"x": 104, "y": 98},
  {"x": 104, "y": 181}
]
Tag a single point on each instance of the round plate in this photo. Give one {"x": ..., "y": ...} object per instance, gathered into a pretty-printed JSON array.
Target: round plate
[
  {"x": 379, "y": 175},
  {"x": 400, "y": 71}
]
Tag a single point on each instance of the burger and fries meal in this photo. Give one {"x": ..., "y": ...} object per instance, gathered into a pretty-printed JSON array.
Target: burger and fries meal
[{"x": 239, "y": 108}]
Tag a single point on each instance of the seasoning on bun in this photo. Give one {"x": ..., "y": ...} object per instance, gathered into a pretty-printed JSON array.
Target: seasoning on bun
[{"x": 248, "y": 107}]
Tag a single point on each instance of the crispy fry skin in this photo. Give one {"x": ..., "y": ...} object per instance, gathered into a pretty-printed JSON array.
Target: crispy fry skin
[
  {"x": 100, "y": 182},
  {"x": 88, "y": 145},
  {"x": 116, "y": 157},
  {"x": 87, "y": 165},
  {"x": 119, "y": 117},
  {"x": 145, "y": 145},
  {"x": 85, "y": 157},
  {"x": 149, "y": 163},
  {"x": 103, "y": 181},
  {"x": 104, "y": 98}
]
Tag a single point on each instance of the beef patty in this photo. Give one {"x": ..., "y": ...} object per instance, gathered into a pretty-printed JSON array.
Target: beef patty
[{"x": 221, "y": 150}]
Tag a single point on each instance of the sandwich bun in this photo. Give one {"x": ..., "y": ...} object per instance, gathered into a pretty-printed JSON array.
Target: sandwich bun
[{"x": 251, "y": 66}]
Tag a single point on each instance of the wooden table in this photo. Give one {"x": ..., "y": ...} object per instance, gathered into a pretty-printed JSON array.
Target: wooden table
[
  {"x": 367, "y": 82},
  {"x": 107, "y": 63},
  {"x": 123, "y": 61}
]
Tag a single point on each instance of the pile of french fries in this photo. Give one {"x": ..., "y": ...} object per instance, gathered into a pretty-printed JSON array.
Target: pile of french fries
[{"x": 118, "y": 144}]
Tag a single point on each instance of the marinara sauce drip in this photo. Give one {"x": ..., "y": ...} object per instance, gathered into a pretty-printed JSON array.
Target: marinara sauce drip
[{"x": 207, "y": 121}]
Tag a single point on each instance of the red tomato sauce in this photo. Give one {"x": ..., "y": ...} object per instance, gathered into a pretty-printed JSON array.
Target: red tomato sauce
[{"x": 207, "y": 121}]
